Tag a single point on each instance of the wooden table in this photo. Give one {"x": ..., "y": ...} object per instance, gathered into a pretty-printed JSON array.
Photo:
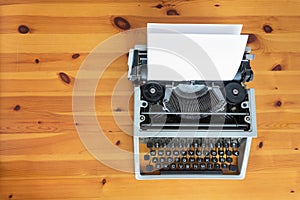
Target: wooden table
[{"x": 43, "y": 44}]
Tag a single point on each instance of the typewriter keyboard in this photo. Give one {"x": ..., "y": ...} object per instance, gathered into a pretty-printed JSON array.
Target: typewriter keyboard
[{"x": 160, "y": 156}]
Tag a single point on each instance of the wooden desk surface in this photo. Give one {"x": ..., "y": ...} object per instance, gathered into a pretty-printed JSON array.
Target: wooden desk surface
[{"x": 42, "y": 156}]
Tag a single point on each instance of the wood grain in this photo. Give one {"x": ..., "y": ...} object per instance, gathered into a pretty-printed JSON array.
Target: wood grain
[{"x": 45, "y": 42}]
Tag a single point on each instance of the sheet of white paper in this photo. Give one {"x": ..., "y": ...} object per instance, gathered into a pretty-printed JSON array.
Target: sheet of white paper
[
  {"x": 179, "y": 57},
  {"x": 195, "y": 28}
]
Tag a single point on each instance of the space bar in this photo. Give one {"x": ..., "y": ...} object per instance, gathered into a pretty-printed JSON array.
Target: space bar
[{"x": 217, "y": 172}]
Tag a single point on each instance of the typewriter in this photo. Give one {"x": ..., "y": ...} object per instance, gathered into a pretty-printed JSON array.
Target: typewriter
[{"x": 191, "y": 129}]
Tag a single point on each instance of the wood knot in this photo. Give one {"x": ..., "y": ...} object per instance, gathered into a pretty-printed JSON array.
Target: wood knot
[
  {"x": 217, "y": 5},
  {"x": 118, "y": 142},
  {"x": 39, "y": 122},
  {"x": 10, "y": 196},
  {"x": 121, "y": 23},
  {"x": 17, "y": 108},
  {"x": 267, "y": 28},
  {"x": 251, "y": 38},
  {"x": 158, "y": 6},
  {"x": 64, "y": 77},
  {"x": 292, "y": 191},
  {"x": 277, "y": 68},
  {"x": 23, "y": 29},
  {"x": 103, "y": 181},
  {"x": 278, "y": 103},
  {"x": 296, "y": 149},
  {"x": 260, "y": 145},
  {"x": 36, "y": 61},
  {"x": 76, "y": 124},
  {"x": 75, "y": 55},
  {"x": 118, "y": 110},
  {"x": 172, "y": 12}
]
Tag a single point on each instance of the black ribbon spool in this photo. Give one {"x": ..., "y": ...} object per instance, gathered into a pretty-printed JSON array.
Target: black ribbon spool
[{"x": 235, "y": 92}]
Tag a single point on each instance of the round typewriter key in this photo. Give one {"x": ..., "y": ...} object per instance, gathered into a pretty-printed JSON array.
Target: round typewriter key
[
  {"x": 162, "y": 159},
  {"x": 184, "y": 159},
  {"x": 206, "y": 159},
  {"x": 199, "y": 160},
  {"x": 173, "y": 145},
  {"x": 152, "y": 152},
  {"x": 187, "y": 166},
  {"x": 173, "y": 166},
  {"x": 236, "y": 153},
  {"x": 221, "y": 153},
  {"x": 149, "y": 168},
  {"x": 210, "y": 166},
  {"x": 191, "y": 159},
  {"x": 232, "y": 168},
  {"x": 176, "y": 153},
  {"x": 206, "y": 153},
  {"x": 169, "y": 159},
  {"x": 160, "y": 152},
  {"x": 224, "y": 165},
  {"x": 155, "y": 160},
  {"x": 214, "y": 159},
  {"x": 217, "y": 166},
  {"x": 226, "y": 145},
  {"x": 146, "y": 157},
  {"x": 180, "y": 166},
  {"x": 228, "y": 153},
  {"x": 166, "y": 166},
  {"x": 235, "y": 144},
  {"x": 222, "y": 159},
  {"x": 158, "y": 166},
  {"x": 202, "y": 166},
  {"x": 195, "y": 166},
  {"x": 229, "y": 160},
  {"x": 149, "y": 144},
  {"x": 156, "y": 144},
  {"x": 187, "y": 145},
  {"x": 213, "y": 152},
  {"x": 199, "y": 153},
  {"x": 181, "y": 143},
  {"x": 177, "y": 159},
  {"x": 195, "y": 145},
  {"x": 164, "y": 145},
  {"x": 168, "y": 152},
  {"x": 218, "y": 145},
  {"x": 183, "y": 152},
  {"x": 191, "y": 152}
]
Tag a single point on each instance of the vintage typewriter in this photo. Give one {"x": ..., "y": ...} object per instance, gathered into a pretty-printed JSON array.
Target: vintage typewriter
[{"x": 191, "y": 129}]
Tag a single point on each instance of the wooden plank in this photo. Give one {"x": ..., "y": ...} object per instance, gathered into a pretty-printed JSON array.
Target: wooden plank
[
  {"x": 285, "y": 81},
  {"x": 26, "y": 62},
  {"x": 105, "y": 24},
  {"x": 283, "y": 184},
  {"x": 65, "y": 43},
  {"x": 149, "y": 8}
]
